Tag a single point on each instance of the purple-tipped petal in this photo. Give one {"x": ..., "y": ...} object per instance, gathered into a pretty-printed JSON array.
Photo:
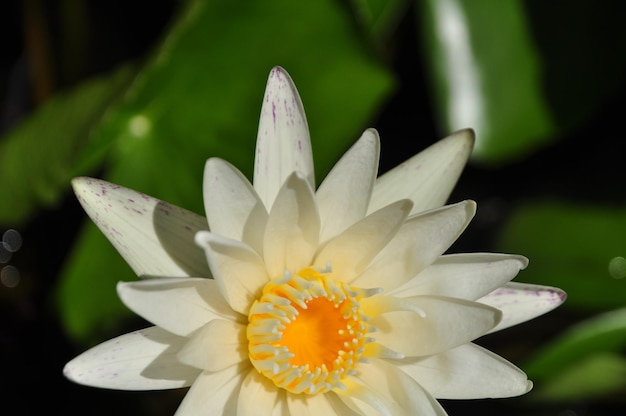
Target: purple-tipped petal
[
  {"x": 141, "y": 360},
  {"x": 283, "y": 142},
  {"x": 154, "y": 237},
  {"x": 520, "y": 302}
]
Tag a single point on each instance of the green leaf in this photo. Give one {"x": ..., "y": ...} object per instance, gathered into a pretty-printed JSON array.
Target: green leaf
[
  {"x": 380, "y": 17},
  {"x": 591, "y": 378},
  {"x": 86, "y": 298},
  {"x": 571, "y": 246},
  {"x": 200, "y": 96},
  {"x": 486, "y": 75},
  {"x": 584, "y": 361},
  {"x": 40, "y": 156}
]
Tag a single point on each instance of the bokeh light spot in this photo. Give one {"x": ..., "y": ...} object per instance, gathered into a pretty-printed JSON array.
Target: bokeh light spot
[
  {"x": 10, "y": 276},
  {"x": 5, "y": 254},
  {"x": 617, "y": 267},
  {"x": 139, "y": 126},
  {"x": 12, "y": 240}
]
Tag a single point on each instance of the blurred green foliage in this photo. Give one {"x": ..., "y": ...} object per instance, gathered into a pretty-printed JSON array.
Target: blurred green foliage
[
  {"x": 195, "y": 98},
  {"x": 150, "y": 126},
  {"x": 584, "y": 361},
  {"x": 574, "y": 251},
  {"x": 487, "y": 73}
]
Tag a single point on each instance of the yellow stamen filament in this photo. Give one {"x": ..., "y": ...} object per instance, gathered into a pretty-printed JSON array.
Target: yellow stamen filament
[{"x": 306, "y": 332}]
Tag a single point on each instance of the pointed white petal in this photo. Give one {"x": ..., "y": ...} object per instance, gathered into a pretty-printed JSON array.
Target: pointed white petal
[
  {"x": 362, "y": 399},
  {"x": 214, "y": 393},
  {"x": 155, "y": 238},
  {"x": 238, "y": 270},
  {"x": 340, "y": 408},
  {"x": 177, "y": 305},
  {"x": 233, "y": 208},
  {"x": 420, "y": 241},
  {"x": 283, "y": 143},
  {"x": 428, "y": 177},
  {"x": 309, "y": 405},
  {"x": 292, "y": 231},
  {"x": 466, "y": 276},
  {"x": 351, "y": 251},
  {"x": 467, "y": 372},
  {"x": 521, "y": 302},
  {"x": 425, "y": 325},
  {"x": 215, "y": 346},
  {"x": 344, "y": 195},
  {"x": 141, "y": 360},
  {"x": 400, "y": 394},
  {"x": 258, "y": 392}
]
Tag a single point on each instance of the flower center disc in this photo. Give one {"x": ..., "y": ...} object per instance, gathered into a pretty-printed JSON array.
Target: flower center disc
[{"x": 306, "y": 332}]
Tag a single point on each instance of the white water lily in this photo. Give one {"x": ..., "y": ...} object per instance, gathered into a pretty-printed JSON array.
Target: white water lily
[{"x": 335, "y": 300}]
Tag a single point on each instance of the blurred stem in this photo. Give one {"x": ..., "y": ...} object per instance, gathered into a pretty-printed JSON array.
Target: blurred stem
[{"x": 37, "y": 47}]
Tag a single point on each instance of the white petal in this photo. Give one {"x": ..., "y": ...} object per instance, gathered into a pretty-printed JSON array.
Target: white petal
[
  {"x": 292, "y": 230},
  {"x": 237, "y": 269},
  {"x": 400, "y": 394},
  {"x": 340, "y": 408},
  {"x": 521, "y": 302},
  {"x": 466, "y": 276},
  {"x": 177, "y": 305},
  {"x": 344, "y": 195},
  {"x": 155, "y": 238},
  {"x": 141, "y": 360},
  {"x": 425, "y": 325},
  {"x": 232, "y": 207},
  {"x": 216, "y": 345},
  {"x": 309, "y": 405},
  {"x": 362, "y": 399},
  {"x": 283, "y": 143},
  {"x": 351, "y": 251},
  {"x": 428, "y": 177},
  {"x": 467, "y": 372},
  {"x": 214, "y": 393},
  {"x": 260, "y": 396},
  {"x": 420, "y": 241}
]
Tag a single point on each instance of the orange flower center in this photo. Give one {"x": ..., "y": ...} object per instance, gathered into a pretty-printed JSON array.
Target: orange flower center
[{"x": 306, "y": 332}]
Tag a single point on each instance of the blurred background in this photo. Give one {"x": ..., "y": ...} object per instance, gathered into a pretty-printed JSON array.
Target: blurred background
[{"x": 141, "y": 93}]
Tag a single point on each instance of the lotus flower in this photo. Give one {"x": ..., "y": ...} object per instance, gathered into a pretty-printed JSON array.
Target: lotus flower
[{"x": 292, "y": 299}]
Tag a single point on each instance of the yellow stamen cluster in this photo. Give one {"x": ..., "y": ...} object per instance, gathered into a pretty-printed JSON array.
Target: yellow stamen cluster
[{"x": 306, "y": 332}]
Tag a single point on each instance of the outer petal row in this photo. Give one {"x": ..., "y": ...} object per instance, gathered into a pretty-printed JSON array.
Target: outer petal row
[
  {"x": 428, "y": 177},
  {"x": 283, "y": 142},
  {"x": 466, "y": 372},
  {"x": 426, "y": 325},
  {"x": 344, "y": 195},
  {"x": 520, "y": 302},
  {"x": 466, "y": 276},
  {"x": 155, "y": 238},
  {"x": 420, "y": 241},
  {"x": 141, "y": 360}
]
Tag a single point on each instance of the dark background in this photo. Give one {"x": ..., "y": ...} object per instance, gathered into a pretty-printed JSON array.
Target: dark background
[{"x": 39, "y": 57}]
